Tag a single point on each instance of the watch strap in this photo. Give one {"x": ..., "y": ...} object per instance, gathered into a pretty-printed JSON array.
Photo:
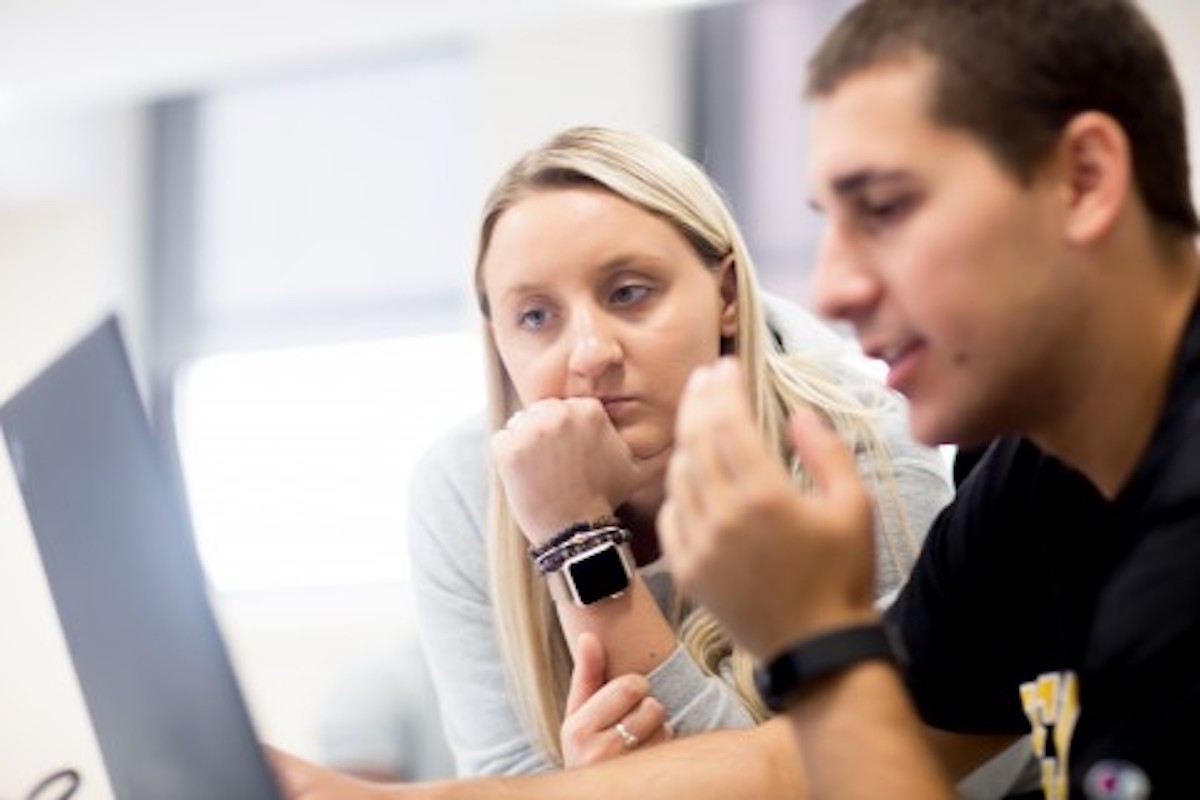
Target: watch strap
[
  {"x": 822, "y": 655},
  {"x": 551, "y": 559}
]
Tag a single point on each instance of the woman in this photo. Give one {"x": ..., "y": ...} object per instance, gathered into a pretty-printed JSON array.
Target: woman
[{"x": 608, "y": 268}]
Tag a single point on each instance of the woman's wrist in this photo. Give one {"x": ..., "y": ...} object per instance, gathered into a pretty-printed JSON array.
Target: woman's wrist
[
  {"x": 572, "y": 531},
  {"x": 541, "y": 533}
]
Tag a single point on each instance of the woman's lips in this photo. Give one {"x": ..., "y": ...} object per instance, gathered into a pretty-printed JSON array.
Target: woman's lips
[{"x": 618, "y": 408}]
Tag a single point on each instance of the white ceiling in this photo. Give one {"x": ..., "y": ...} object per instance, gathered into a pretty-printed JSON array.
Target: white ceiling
[{"x": 56, "y": 53}]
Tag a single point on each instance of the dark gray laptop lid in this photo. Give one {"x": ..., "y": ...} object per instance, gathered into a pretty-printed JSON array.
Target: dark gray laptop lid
[{"x": 127, "y": 584}]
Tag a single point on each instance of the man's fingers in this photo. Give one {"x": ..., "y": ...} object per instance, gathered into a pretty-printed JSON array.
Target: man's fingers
[
  {"x": 713, "y": 390},
  {"x": 716, "y": 425},
  {"x": 824, "y": 456}
]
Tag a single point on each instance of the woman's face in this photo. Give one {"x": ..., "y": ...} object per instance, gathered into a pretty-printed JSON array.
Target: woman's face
[{"x": 592, "y": 296}]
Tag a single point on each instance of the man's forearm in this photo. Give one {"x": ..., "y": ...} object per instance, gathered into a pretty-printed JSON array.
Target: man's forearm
[
  {"x": 758, "y": 763},
  {"x": 861, "y": 738}
]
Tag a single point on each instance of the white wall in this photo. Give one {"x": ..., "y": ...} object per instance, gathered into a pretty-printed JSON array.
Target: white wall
[
  {"x": 1178, "y": 21},
  {"x": 70, "y": 231},
  {"x": 623, "y": 70}
]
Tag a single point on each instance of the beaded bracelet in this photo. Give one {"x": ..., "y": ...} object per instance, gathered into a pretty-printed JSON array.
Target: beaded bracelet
[
  {"x": 569, "y": 531},
  {"x": 552, "y": 560}
]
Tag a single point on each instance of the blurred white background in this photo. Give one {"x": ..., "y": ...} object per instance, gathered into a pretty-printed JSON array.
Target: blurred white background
[{"x": 279, "y": 200}]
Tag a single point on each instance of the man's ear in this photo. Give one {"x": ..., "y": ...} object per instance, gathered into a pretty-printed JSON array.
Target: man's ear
[
  {"x": 1095, "y": 156},
  {"x": 727, "y": 280}
]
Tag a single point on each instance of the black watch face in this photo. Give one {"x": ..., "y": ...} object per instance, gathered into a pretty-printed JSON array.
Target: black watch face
[{"x": 600, "y": 574}]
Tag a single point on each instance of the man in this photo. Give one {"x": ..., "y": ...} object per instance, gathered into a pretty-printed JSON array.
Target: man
[{"x": 1009, "y": 226}]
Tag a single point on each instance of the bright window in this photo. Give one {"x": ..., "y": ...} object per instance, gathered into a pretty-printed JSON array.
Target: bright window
[{"x": 297, "y": 462}]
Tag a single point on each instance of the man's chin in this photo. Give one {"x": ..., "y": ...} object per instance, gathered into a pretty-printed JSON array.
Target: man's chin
[
  {"x": 936, "y": 430},
  {"x": 928, "y": 425}
]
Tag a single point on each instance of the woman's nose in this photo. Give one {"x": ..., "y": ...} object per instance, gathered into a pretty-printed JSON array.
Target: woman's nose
[{"x": 594, "y": 350}]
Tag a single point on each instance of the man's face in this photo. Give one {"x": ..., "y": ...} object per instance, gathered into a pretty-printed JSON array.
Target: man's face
[{"x": 948, "y": 268}]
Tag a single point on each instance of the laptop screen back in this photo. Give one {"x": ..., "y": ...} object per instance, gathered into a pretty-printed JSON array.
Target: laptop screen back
[{"x": 127, "y": 583}]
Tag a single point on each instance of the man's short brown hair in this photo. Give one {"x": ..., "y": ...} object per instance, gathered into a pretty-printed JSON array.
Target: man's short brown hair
[{"x": 1015, "y": 72}]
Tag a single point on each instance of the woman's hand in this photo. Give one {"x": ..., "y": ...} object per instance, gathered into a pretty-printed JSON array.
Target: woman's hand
[
  {"x": 606, "y": 719},
  {"x": 562, "y": 462}
]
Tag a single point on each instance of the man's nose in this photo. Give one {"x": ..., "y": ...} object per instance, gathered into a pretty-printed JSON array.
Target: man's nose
[{"x": 844, "y": 287}]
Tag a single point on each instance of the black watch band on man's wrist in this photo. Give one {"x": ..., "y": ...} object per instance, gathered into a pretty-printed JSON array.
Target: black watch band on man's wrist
[{"x": 811, "y": 659}]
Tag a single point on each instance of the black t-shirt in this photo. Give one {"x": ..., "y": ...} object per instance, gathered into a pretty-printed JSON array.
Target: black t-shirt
[{"x": 1038, "y": 604}]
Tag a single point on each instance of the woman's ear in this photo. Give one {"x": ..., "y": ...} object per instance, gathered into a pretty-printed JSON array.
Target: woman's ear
[
  {"x": 727, "y": 280},
  {"x": 1095, "y": 156}
]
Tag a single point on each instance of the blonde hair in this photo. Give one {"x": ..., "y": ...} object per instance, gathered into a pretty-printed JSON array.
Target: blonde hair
[{"x": 656, "y": 177}]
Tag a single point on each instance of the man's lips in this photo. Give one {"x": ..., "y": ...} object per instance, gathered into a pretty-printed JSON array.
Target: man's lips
[{"x": 902, "y": 358}]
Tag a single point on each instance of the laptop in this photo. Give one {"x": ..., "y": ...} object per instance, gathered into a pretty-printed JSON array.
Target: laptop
[{"x": 117, "y": 548}]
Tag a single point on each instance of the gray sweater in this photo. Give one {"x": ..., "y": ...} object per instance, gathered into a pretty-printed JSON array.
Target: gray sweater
[{"x": 446, "y": 534}]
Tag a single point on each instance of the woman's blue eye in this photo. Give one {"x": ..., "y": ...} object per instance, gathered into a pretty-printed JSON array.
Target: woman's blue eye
[
  {"x": 629, "y": 293},
  {"x": 533, "y": 318}
]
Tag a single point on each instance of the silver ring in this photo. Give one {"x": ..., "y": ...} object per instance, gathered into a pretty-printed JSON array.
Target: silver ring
[{"x": 627, "y": 738}]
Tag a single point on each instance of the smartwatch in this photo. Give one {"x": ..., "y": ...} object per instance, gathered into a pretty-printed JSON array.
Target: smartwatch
[
  {"x": 596, "y": 574},
  {"x": 785, "y": 676}
]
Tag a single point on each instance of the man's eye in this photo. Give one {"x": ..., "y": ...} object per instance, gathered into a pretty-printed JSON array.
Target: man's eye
[
  {"x": 881, "y": 212},
  {"x": 629, "y": 294}
]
